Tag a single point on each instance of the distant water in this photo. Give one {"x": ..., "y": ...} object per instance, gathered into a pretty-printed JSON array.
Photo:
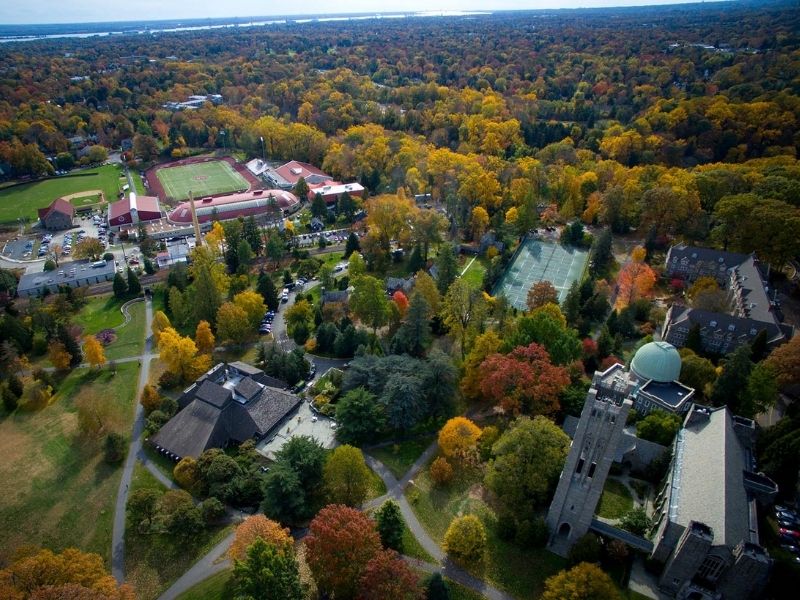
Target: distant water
[{"x": 175, "y": 26}]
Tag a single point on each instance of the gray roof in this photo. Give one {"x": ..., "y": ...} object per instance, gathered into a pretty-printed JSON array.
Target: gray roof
[
  {"x": 52, "y": 279},
  {"x": 399, "y": 283},
  {"x": 214, "y": 417},
  {"x": 709, "y": 255},
  {"x": 213, "y": 394},
  {"x": 247, "y": 388},
  {"x": 751, "y": 300},
  {"x": 739, "y": 327},
  {"x": 335, "y": 296},
  {"x": 707, "y": 478},
  {"x": 244, "y": 368}
]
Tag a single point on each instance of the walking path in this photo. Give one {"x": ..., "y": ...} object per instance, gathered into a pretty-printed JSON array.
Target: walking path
[
  {"x": 118, "y": 534},
  {"x": 212, "y": 563},
  {"x": 395, "y": 490},
  {"x": 469, "y": 264}
]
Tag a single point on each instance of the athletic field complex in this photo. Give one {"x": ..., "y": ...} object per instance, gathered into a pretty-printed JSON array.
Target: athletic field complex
[
  {"x": 537, "y": 261},
  {"x": 202, "y": 179}
]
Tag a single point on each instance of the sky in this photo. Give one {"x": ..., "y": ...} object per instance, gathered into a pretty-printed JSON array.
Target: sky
[{"x": 86, "y": 11}]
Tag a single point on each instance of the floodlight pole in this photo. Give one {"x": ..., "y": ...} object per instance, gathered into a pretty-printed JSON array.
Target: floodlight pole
[{"x": 263, "y": 149}]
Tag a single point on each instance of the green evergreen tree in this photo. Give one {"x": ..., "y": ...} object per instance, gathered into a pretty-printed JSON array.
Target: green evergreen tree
[
  {"x": 119, "y": 286},
  {"x": 134, "y": 287},
  {"x": 730, "y": 388},
  {"x": 390, "y": 525},
  {"x": 301, "y": 189},
  {"x": 415, "y": 262},
  {"x": 694, "y": 339},
  {"x": 414, "y": 335},
  {"x": 252, "y": 234},
  {"x": 268, "y": 573},
  {"x": 436, "y": 588},
  {"x": 572, "y": 304},
  {"x": 319, "y": 208},
  {"x": 447, "y": 267},
  {"x": 352, "y": 245},
  {"x": 266, "y": 287}
]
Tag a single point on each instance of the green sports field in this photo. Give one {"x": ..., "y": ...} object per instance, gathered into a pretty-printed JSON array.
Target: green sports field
[
  {"x": 23, "y": 200},
  {"x": 202, "y": 179}
]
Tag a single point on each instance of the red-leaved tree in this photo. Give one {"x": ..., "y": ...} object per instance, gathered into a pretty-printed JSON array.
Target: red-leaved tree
[
  {"x": 523, "y": 381},
  {"x": 401, "y": 300},
  {"x": 387, "y": 575},
  {"x": 340, "y": 543}
]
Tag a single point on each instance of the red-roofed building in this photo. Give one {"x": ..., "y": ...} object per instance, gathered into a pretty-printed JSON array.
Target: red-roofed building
[
  {"x": 133, "y": 211},
  {"x": 331, "y": 191},
  {"x": 58, "y": 215},
  {"x": 255, "y": 203},
  {"x": 286, "y": 176}
]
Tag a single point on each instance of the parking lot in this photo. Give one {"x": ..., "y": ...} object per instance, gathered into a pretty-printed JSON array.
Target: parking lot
[
  {"x": 335, "y": 236},
  {"x": 36, "y": 246}
]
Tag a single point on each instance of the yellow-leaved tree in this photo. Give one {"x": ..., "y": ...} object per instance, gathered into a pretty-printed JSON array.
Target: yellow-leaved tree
[
  {"x": 93, "y": 352},
  {"x": 58, "y": 355},
  {"x": 160, "y": 323},
  {"x": 204, "y": 338},
  {"x": 181, "y": 356},
  {"x": 252, "y": 303},
  {"x": 458, "y": 439}
]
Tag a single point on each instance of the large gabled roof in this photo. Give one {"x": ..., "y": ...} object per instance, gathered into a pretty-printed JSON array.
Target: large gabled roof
[{"x": 58, "y": 205}]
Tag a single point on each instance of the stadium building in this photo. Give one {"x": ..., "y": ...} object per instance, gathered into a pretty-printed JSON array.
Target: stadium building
[
  {"x": 257, "y": 203},
  {"x": 132, "y": 211}
]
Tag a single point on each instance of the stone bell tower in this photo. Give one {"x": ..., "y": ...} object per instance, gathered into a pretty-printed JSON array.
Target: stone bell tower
[{"x": 590, "y": 456}]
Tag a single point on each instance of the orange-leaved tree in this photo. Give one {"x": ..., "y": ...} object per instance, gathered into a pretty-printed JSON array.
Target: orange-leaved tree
[
  {"x": 93, "y": 351},
  {"x": 258, "y": 527}
]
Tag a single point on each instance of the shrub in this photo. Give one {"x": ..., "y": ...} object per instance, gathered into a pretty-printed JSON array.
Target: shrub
[
  {"x": 441, "y": 471},
  {"x": 531, "y": 533},
  {"x": 186, "y": 473},
  {"x": 212, "y": 510},
  {"x": 465, "y": 539},
  {"x": 169, "y": 380},
  {"x": 106, "y": 336},
  {"x": 116, "y": 448},
  {"x": 587, "y": 549},
  {"x": 108, "y": 256}
]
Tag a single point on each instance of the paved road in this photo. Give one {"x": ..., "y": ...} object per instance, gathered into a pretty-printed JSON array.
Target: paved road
[
  {"x": 211, "y": 564},
  {"x": 118, "y": 534}
]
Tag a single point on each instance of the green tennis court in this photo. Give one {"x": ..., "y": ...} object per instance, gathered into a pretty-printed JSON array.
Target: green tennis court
[
  {"x": 539, "y": 261},
  {"x": 202, "y": 179}
]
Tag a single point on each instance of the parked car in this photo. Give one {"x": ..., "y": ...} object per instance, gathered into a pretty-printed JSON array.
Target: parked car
[{"x": 783, "y": 531}]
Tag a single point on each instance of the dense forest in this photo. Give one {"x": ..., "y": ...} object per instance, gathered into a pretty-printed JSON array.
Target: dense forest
[{"x": 609, "y": 115}]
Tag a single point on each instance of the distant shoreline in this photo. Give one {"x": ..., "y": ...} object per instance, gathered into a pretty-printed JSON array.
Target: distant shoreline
[{"x": 33, "y": 32}]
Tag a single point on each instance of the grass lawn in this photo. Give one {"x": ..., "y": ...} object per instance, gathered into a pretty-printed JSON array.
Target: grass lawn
[
  {"x": 412, "y": 548},
  {"x": 520, "y": 573},
  {"x": 103, "y": 312},
  {"x": 24, "y": 200},
  {"x": 247, "y": 353},
  {"x": 615, "y": 501},
  {"x": 399, "y": 457},
  {"x": 55, "y": 488},
  {"x": 216, "y": 587},
  {"x": 376, "y": 486},
  {"x": 87, "y": 200},
  {"x": 203, "y": 179},
  {"x": 154, "y": 561},
  {"x": 137, "y": 183},
  {"x": 474, "y": 272}
]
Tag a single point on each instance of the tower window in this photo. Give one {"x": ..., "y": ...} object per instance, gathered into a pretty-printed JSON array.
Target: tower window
[{"x": 592, "y": 467}]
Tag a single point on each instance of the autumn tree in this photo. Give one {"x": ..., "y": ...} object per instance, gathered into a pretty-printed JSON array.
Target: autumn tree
[
  {"x": 464, "y": 308},
  {"x": 528, "y": 459},
  {"x": 387, "y": 575},
  {"x": 346, "y": 476},
  {"x": 204, "y": 338},
  {"x": 186, "y": 473},
  {"x": 541, "y": 293},
  {"x": 523, "y": 380},
  {"x": 485, "y": 344},
  {"x": 401, "y": 301},
  {"x": 390, "y": 524},
  {"x": 479, "y": 222},
  {"x": 441, "y": 471},
  {"x": 93, "y": 351},
  {"x": 67, "y": 574},
  {"x": 232, "y": 323},
  {"x": 340, "y": 543},
  {"x": 368, "y": 302},
  {"x": 458, "y": 439},
  {"x": 258, "y": 527},
  {"x": 181, "y": 356},
  {"x": 58, "y": 355},
  {"x": 90, "y": 248},
  {"x": 785, "y": 362},
  {"x": 426, "y": 287},
  {"x": 252, "y": 303},
  {"x": 150, "y": 400},
  {"x": 159, "y": 324},
  {"x": 584, "y": 581},
  {"x": 465, "y": 539},
  {"x": 635, "y": 280}
]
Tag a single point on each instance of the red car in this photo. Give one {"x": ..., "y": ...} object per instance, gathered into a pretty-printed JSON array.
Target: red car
[{"x": 791, "y": 532}]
